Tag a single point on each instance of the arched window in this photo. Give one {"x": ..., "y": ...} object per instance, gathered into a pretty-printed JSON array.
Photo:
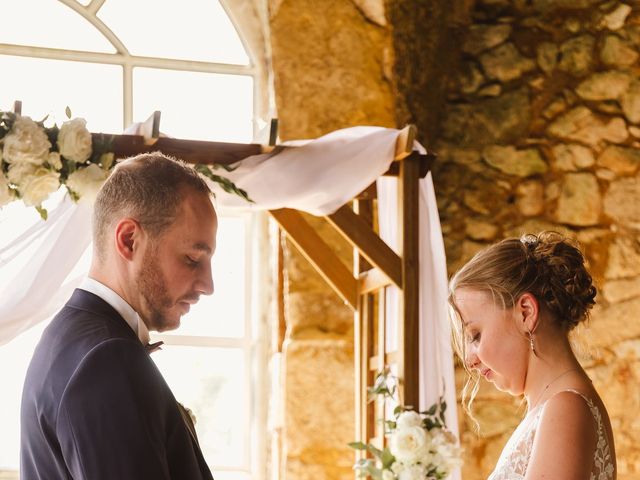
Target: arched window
[{"x": 114, "y": 62}]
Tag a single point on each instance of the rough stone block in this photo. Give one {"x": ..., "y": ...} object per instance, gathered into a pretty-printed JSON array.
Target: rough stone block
[
  {"x": 509, "y": 160},
  {"x": 484, "y": 37},
  {"x": 577, "y": 55},
  {"x": 609, "y": 85},
  {"x": 530, "y": 199},
  {"x": 621, "y": 201},
  {"x": 618, "y": 52},
  {"x": 620, "y": 290},
  {"x": 581, "y": 125},
  {"x": 624, "y": 258},
  {"x": 631, "y": 103},
  {"x": 621, "y": 160},
  {"x": 494, "y": 120},
  {"x": 319, "y": 404},
  {"x": 505, "y": 63},
  {"x": 571, "y": 157},
  {"x": 580, "y": 202}
]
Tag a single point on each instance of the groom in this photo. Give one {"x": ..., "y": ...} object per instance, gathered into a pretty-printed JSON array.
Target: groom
[{"x": 94, "y": 405}]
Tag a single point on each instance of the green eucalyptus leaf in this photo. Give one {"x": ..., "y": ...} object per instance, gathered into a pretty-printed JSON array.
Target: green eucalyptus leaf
[
  {"x": 387, "y": 458},
  {"x": 224, "y": 166},
  {"x": 43, "y": 212},
  {"x": 374, "y": 451},
  {"x": 226, "y": 184},
  {"x": 358, "y": 445},
  {"x": 67, "y": 112}
]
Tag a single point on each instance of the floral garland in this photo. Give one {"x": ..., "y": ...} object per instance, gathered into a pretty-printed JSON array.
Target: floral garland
[
  {"x": 420, "y": 445},
  {"x": 35, "y": 160}
]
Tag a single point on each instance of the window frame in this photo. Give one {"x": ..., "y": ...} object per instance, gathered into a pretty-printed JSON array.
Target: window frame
[
  {"x": 252, "y": 343},
  {"x": 248, "y": 343},
  {"x": 123, "y": 58}
]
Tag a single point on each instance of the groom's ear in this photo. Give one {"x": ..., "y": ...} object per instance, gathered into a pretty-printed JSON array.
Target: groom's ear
[
  {"x": 527, "y": 312},
  {"x": 127, "y": 238}
]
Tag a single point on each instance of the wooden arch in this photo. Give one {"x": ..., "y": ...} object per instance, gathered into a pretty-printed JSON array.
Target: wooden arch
[{"x": 376, "y": 265}]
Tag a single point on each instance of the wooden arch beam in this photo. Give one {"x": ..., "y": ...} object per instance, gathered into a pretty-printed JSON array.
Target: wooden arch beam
[{"x": 319, "y": 253}]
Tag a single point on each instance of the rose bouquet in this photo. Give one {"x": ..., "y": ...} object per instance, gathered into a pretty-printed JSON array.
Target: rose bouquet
[
  {"x": 35, "y": 160},
  {"x": 420, "y": 447}
]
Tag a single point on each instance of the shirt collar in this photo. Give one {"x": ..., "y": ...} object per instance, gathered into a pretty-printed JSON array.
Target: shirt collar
[{"x": 120, "y": 305}]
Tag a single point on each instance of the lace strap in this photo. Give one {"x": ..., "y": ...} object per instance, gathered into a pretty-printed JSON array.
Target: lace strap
[{"x": 595, "y": 411}]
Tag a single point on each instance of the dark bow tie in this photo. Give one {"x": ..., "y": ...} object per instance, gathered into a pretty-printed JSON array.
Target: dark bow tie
[{"x": 152, "y": 347}]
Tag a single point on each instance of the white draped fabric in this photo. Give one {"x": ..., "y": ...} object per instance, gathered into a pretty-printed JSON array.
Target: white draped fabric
[{"x": 318, "y": 177}]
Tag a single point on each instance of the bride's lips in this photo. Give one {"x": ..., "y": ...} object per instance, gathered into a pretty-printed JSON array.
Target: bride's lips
[{"x": 486, "y": 373}]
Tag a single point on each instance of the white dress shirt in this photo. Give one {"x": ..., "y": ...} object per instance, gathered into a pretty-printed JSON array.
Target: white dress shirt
[{"x": 117, "y": 302}]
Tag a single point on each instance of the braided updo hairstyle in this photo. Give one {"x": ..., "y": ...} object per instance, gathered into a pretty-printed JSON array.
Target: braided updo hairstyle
[{"x": 548, "y": 265}]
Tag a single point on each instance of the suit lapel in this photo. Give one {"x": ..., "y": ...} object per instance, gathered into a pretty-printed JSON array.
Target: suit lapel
[{"x": 89, "y": 302}]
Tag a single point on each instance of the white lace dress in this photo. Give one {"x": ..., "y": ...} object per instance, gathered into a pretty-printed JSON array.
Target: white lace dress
[{"x": 514, "y": 459}]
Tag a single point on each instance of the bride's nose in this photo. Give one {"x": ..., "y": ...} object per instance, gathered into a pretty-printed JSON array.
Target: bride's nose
[{"x": 471, "y": 358}]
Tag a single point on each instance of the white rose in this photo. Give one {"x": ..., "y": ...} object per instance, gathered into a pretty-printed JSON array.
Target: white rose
[
  {"x": 54, "y": 160},
  {"x": 86, "y": 182},
  {"x": 413, "y": 472},
  {"x": 26, "y": 143},
  {"x": 446, "y": 452},
  {"x": 6, "y": 195},
  {"x": 408, "y": 444},
  {"x": 74, "y": 140},
  {"x": 387, "y": 475},
  {"x": 409, "y": 419},
  {"x": 18, "y": 172},
  {"x": 38, "y": 186}
]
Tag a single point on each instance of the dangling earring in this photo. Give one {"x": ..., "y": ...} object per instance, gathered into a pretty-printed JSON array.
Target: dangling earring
[{"x": 533, "y": 347}]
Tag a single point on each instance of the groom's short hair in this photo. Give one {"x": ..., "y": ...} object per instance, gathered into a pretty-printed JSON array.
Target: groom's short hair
[{"x": 149, "y": 188}]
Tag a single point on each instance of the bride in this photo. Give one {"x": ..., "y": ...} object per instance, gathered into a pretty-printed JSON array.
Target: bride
[{"x": 514, "y": 305}]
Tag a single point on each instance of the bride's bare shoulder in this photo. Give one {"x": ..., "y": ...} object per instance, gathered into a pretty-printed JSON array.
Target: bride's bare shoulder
[{"x": 565, "y": 440}]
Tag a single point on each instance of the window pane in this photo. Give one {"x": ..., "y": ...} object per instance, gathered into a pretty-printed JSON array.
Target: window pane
[
  {"x": 222, "y": 314},
  {"x": 14, "y": 360},
  {"x": 189, "y": 29},
  {"x": 231, "y": 475},
  {"x": 202, "y": 106},
  {"x": 48, "y": 23},
  {"x": 211, "y": 382},
  {"x": 46, "y": 87}
]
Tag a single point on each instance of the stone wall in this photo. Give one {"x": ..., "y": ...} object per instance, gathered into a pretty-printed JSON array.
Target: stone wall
[
  {"x": 331, "y": 69},
  {"x": 540, "y": 131},
  {"x": 533, "y": 107}
]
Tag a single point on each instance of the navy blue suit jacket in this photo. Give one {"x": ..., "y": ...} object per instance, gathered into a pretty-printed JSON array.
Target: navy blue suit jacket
[{"x": 95, "y": 407}]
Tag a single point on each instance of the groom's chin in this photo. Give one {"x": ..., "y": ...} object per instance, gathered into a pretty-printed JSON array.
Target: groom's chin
[{"x": 168, "y": 322}]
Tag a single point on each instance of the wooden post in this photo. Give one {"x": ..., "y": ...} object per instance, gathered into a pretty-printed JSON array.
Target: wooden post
[
  {"x": 362, "y": 332},
  {"x": 408, "y": 229}
]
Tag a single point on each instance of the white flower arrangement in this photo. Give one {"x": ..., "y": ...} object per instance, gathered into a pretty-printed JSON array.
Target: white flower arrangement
[
  {"x": 35, "y": 160},
  {"x": 420, "y": 447}
]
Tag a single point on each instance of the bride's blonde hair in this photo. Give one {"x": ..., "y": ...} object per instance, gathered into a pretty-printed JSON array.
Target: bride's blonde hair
[{"x": 548, "y": 265}]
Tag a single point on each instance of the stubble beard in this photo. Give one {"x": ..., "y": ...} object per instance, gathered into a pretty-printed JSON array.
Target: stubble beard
[{"x": 154, "y": 291}]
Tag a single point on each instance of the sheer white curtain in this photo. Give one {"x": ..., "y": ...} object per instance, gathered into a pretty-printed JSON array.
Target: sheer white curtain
[
  {"x": 318, "y": 177},
  {"x": 435, "y": 353}
]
